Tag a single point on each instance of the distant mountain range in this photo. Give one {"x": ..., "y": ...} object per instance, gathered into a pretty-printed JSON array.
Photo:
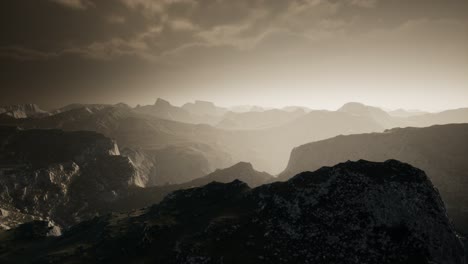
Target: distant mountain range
[
  {"x": 262, "y": 137},
  {"x": 392, "y": 214}
]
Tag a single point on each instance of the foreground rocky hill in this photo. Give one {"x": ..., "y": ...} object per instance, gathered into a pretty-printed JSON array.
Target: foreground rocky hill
[
  {"x": 441, "y": 151},
  {"x": 354, "y": 212}
]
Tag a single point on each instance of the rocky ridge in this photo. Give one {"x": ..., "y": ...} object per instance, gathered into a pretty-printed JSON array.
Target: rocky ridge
[{"x": 354, "y": 212}]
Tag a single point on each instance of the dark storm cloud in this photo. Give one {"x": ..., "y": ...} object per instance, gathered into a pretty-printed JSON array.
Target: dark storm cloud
[
  {"x": 148, "y": 28},
  {"x": 61, "y": 45},
  {"x": 75, "y": 4}
]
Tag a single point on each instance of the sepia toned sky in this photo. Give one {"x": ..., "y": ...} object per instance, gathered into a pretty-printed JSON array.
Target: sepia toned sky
[{"x": 317, "y": 53}]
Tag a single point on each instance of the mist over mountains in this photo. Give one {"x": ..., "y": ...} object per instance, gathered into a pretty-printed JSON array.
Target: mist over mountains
[
  {"x": 251, "y": 135},
  {"x": 93, "y": 167}
]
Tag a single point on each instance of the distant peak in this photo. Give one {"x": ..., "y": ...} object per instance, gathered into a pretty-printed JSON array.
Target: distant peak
[
  {"x": 162, "y": 102},
  {"x": 243, "y": 165},
  {"x": 201, "y": 102},
  {"x": 352, "y": 106},
  {"x": 362, "y": 109}
]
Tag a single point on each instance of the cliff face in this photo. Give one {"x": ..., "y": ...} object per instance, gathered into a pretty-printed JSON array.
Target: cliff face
[
  {"x": 441, "y": 151},
  {"x": 175, "y": 164},
  {"x": 62, "y": 176},
  {"x": 354, "y": 212}
]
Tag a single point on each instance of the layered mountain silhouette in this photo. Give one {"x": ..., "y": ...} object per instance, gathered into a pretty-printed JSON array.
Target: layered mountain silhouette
[
  {"x": 258, "y": 120},
  {"x": 262, "y": 137},
  {"x": 354, "y": 212},
  {"x": 441, "y": 151},
  {"x": 153, "y": 137}
]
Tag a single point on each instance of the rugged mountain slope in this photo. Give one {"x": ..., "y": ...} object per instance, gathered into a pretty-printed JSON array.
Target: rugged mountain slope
[
  {"x": 441, "y": 151},
  {"x": 355, "y": 212},
  {"x": 22, "y": 111},
  {"x": 62, "y": 176},
  {"x": 152, "y": 137}
]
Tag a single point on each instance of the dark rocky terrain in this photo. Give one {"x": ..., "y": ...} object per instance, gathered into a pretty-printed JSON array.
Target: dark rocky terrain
[
  {"x": 354, "y": 212},
  {"x": 441, "y": 151}
]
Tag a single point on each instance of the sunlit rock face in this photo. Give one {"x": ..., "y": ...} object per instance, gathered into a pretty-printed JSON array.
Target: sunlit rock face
[
  {"x": 62, "y": 176},
  {"x": 354, "y": 212}
]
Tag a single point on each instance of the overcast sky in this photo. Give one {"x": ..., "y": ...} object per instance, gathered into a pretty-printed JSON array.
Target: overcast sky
[{"x": 316, "y": 53}]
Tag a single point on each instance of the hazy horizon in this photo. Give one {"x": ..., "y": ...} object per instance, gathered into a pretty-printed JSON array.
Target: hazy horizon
[
  {"x": 314, "y": 53},
  {"x": 180, "y": 103}
]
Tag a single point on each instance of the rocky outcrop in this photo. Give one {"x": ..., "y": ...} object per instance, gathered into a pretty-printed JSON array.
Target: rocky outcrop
[
  {"x": 354, "y": 212},
  {"x": 11, "y": 217},
  {"x": 145, "y": 164},
  {"x": 441, "y": 151},
  {"x": 61, "y": 176},
  {"x": 22, "y": 111}
]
